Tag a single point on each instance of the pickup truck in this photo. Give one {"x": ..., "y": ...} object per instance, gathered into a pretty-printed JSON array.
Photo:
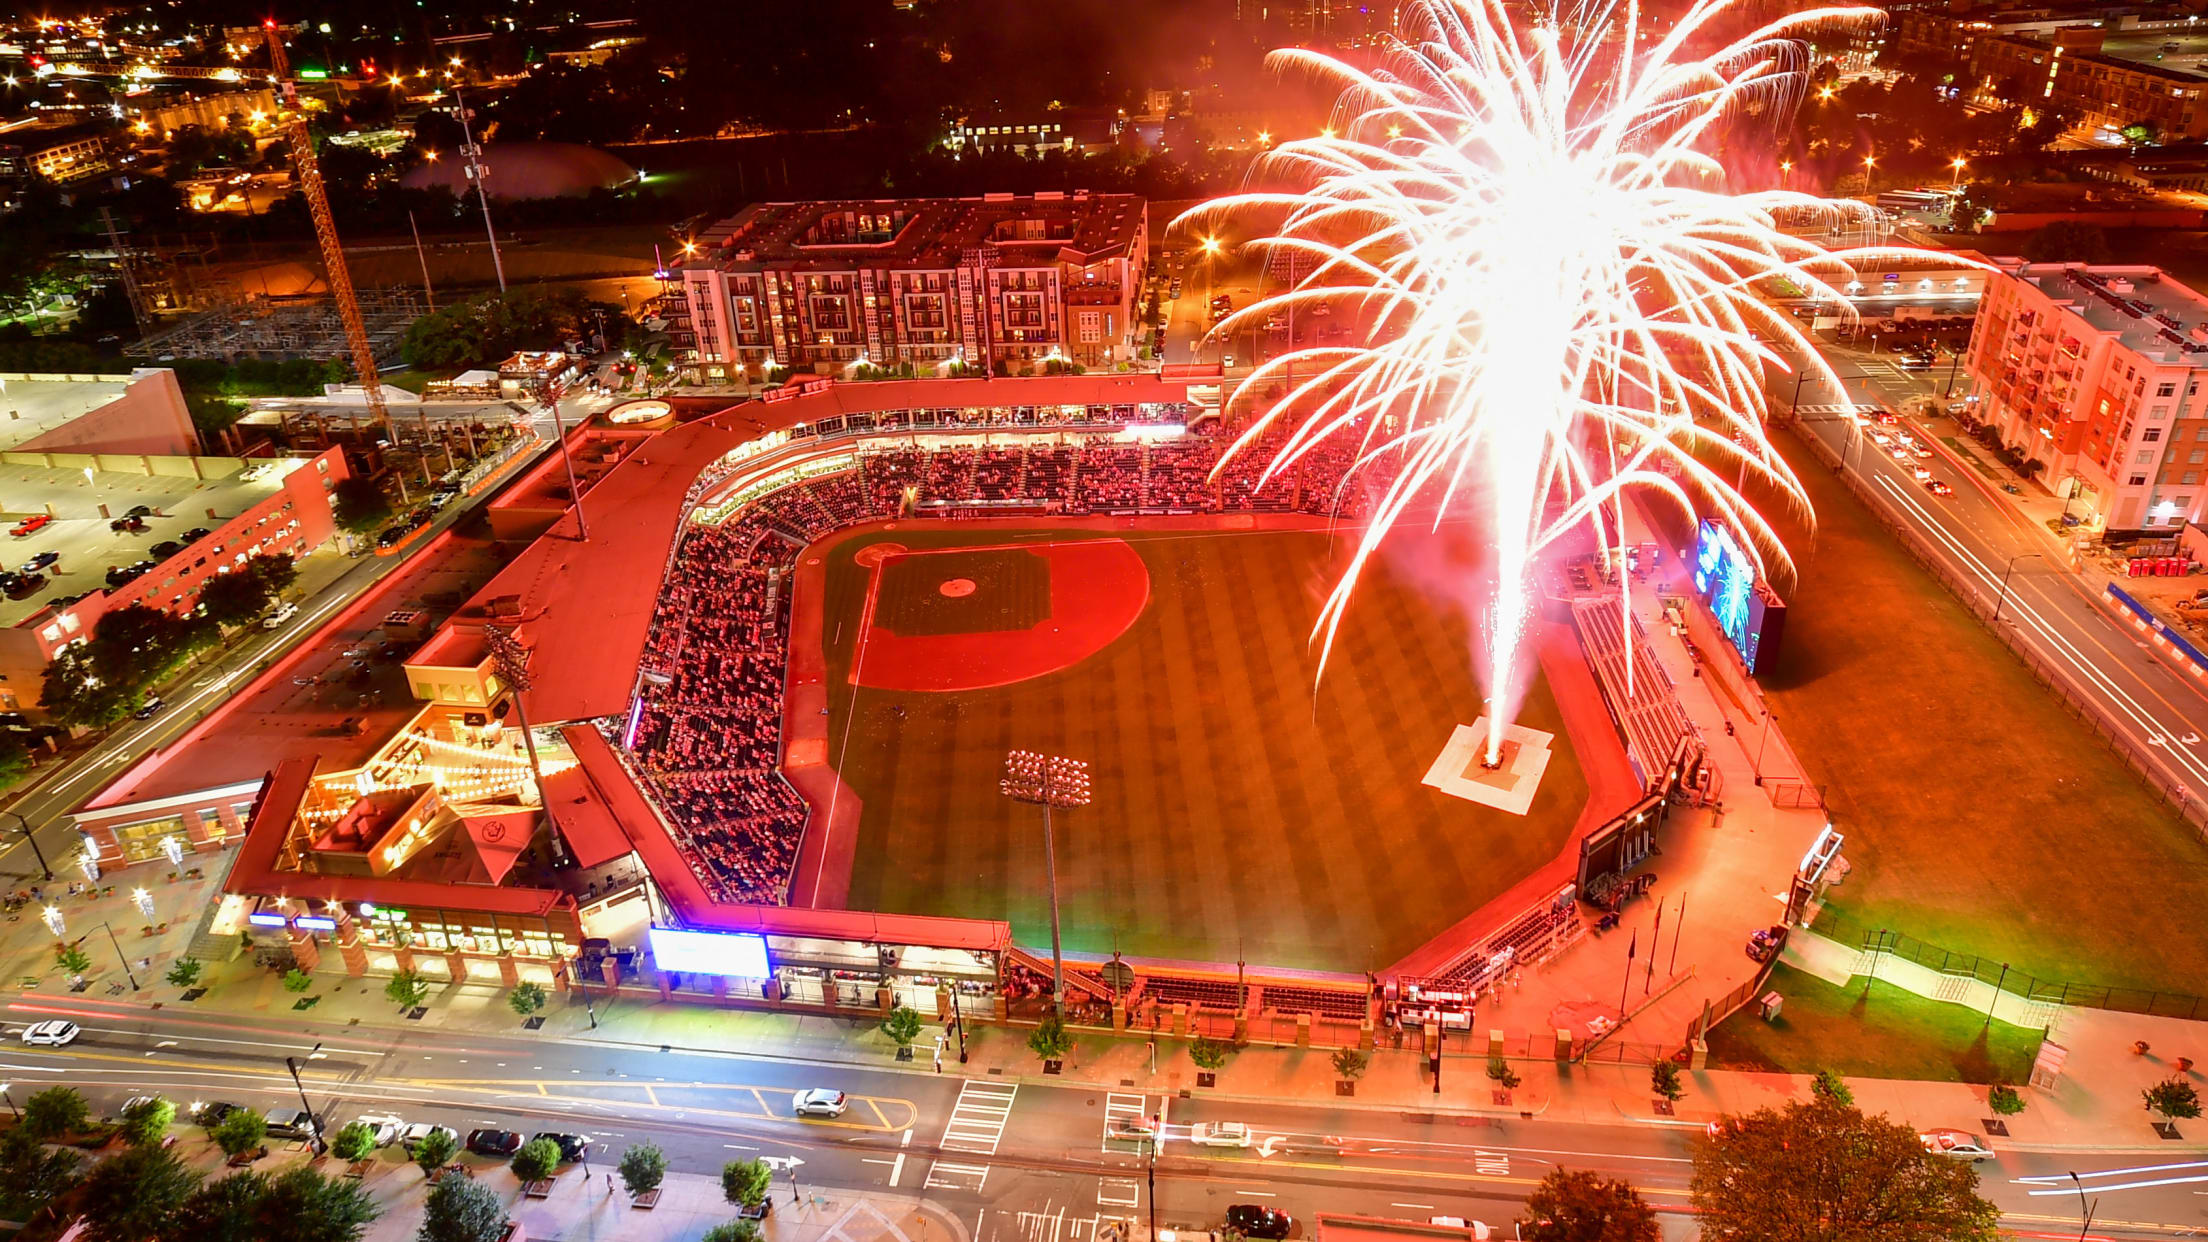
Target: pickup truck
[{"x": 1219, "y": 1134}]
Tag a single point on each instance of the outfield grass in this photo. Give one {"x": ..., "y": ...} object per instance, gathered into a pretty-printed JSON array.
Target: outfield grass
[
  {"x": 1237, "y": 810},
  {"x": 1979, "y": 815},
  {"x": 1885, "y": 1033}
]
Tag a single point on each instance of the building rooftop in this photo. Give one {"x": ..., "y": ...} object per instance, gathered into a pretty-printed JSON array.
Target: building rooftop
[
  {"x": 2143, "y": 307},
  {"x": 924, "y": 232},
  {"x": 33, "y": 407}
]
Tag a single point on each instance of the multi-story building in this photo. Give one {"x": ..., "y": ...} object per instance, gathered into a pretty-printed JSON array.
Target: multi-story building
[
  {"x": 1004, "y": 281},
  {"x": 64, "y": 155},
  {"x": 2098, "y": 373},
  {"x": 2107, "y": 91}
]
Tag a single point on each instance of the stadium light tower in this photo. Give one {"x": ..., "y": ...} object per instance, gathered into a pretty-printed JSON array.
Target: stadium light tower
[
  {"x": 512, "y": 661},
  {"x": 1048, "y": 781}
]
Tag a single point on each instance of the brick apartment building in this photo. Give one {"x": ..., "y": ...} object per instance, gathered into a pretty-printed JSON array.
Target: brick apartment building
[
  {"x": 2107, "y": 91},
  {"x": 1003, "y": 280},
  {"x": 2098, "y": 373}
]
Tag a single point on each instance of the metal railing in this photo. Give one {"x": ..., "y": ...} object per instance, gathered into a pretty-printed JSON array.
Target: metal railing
[{"x": 2005, "y": 979}]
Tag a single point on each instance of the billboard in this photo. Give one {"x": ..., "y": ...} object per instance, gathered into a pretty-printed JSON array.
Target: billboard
[
  {"x": 1749, "y": 615},
  {"x": 738, "y": 954}
]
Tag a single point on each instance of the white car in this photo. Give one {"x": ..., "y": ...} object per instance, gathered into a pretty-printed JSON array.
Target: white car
[
  {"x": 1478, "y": 1229},
  {"x": 386, "y": 1127},
  {"x": 1960, "y": 1144},
  {"x": 1881, "y": 439},
  {"x": 276, "y": 619},
  {"x": 819, "y": 1102},
  {"x": 411, "y": 1136},
  {"x": 52, "y": 1033},
  {"x": 1219, "y": 1134}
]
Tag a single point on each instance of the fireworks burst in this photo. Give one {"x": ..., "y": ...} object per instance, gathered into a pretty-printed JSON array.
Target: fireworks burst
[{"x": 1554, "y": 284}]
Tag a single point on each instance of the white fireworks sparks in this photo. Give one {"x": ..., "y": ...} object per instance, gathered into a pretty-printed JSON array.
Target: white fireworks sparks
[{"x": 1553, "y": 284}]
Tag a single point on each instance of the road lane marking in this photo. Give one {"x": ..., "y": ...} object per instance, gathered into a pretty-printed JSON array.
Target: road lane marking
[
  {"x": 1423, "y": 1207},
  {"x": 1118, "y": 1192}
]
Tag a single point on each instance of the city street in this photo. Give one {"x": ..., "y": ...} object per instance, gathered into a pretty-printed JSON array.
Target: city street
[{"x": 1008, "y": 1159}]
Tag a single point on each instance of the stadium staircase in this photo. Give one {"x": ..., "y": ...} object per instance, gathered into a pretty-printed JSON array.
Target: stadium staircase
[{"x": 1640, "y": 695}]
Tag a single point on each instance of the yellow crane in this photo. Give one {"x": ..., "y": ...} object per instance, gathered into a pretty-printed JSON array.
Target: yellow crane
[{"x": 307, "y": 170}]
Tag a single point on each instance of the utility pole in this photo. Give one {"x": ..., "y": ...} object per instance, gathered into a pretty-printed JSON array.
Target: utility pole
[
  {"x": 1048, "y": 780},
  {"x": 473, "y": 157},
  {"x": 428, "y": 295}
]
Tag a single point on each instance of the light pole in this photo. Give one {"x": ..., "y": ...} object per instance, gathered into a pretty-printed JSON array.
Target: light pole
[
  {"x": 2004, "y": 597},
  {"x": 1762, "y": 742},
  {"x": 478, "y": 174},
  {"x": 587, "y": 1008},
  {"x": 549, "y": 395},
  {"x": 1048, "y": 781},
  {"x": 314, "y": 1123},
  {"x": 2085, "y": 1210},
  {"x": 32, "y": 837},
  {"x": 119, "y": 955},
  {"x": 1996, "y": 1001},
  {"x": 1793, "y": 408},
  {"x": 512, "y": 660}
]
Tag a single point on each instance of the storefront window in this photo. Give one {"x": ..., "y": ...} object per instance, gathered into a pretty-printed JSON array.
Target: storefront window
[{"x": 140, "y": 842}]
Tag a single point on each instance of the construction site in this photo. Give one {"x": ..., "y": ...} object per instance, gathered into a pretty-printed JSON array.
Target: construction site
[{"x": 234, "y": 326}]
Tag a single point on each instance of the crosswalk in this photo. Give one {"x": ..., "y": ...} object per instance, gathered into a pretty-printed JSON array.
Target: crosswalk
[
  {"x": 975, "y": 1128},
  {"x": 1832, "y": 410}
]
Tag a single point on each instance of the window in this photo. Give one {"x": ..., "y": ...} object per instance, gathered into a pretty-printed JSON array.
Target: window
[
  {"x": 2165, "y": 390},
  {"x": 2198, "y": 456},
  {"x": 2150, "y": 435},
  {"x": 2160, "y": 411},
  {"x": 2142, "y": 458},
  {"x": 2189, "y": 478},
  {"x": 2138, "y": 480}
]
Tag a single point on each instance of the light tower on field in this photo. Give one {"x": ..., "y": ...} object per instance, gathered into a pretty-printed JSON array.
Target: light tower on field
[{"x": 1048, "y": 781}]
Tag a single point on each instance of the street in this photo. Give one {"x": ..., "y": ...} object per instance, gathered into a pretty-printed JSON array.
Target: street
[{"x": 1008, "y": 1159}]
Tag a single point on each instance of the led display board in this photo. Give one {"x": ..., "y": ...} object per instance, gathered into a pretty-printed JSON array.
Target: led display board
[
  {"x": 1749, "y": 615},
  {"x": 738, "y": 954}
]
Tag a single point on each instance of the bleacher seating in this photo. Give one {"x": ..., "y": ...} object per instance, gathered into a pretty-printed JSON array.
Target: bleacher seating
[{"x": 1646, "y": 705}]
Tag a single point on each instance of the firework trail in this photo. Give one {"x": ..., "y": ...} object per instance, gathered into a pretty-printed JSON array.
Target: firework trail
[{"x": 1554, "y": 285}]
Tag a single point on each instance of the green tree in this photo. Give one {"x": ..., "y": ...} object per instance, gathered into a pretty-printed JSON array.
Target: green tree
[
  {"x": 1350, "y": 1064},
  {"x": 1973, "y": 207},
  {"x": 240, "y": 1131},
  {"x": 55, "y": 1112},
  {"x": 1663, "y": 1079},
  {"x": 436, "y": 1150},
  {"x": 297, "y": 980},
  {"x": 73, "y": 695},
  {"x": 185, "y": 972},
  {"x": 732, "y": 1231},
  {"x": 536, "y": 1160},
  {"x": 1050, "y": 1040},
  {"x": 1829, "y": 1087},
  {"x": 902, "y": 1026},
  {"x": 2066, "y": 241},
  {"x": 227, "y": 1209},
  {"x": 359, "y": 504},
  {"x": 303, "y": 1205},
  {"x": 406, "y": 989},
  {"x": 147, "y": 1120},
  {"x": 1815, "y": 1171},
  {"x": 746, "y": 1182},
  {"x": 354, "y": 1142},
  {"x": 2173, "y": 1098},
  {"x": 72, "y": 960},
  {"x": 32, "y": 1175},
  {"x": 135, "y": 1195},
  {"x": 1209, "y": 1053},
  {"x": 1573, "y": 1205},
  {"x": 1504, "y": 1076},
  {"x": 462, "y": 1209},
  {"x": 643, "y": 1167},
  {"x": 2004, "y": 1100},
  {"x": 526, "y": 998},
  {"x": 235, "y": 598}
]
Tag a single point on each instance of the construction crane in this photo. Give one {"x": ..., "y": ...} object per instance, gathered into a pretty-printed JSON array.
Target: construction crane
[{"x": 307, "y": 170}]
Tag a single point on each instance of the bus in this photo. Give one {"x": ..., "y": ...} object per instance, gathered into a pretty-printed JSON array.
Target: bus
[{"x": 1913, "y": 200}]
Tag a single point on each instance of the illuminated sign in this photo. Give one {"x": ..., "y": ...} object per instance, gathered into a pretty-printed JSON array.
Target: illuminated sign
[
  {"x": 315, "y": 922},
  {"x": 1747, "y": 613},
  {"x": 710, "y": 953},
  {"x": 314, "y": 74},
  {"x": 266, "y": 918}
]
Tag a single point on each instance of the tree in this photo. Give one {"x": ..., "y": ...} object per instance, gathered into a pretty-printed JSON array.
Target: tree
[
  {"x": 436, "y": 1150},
  {"x": 1351, "y": 1064},
  {"x": 33, "y": 1176},
  {"x": 643, "y": 1167},
  {"x": 902, "y": 1026},
  {"x": 54, "y": 1112},
  {"x": 406, "y": 989},
  {"x": 224, "y": 1210},
  {"x": 526, "y": 998},
  {"x": 1050, "y": 1039},
  {"x": 732, "y": 1231},
  {"x": 242, "y": 595},
  {"x": 2004, "y": 1100},
  {"x": 462, "y": 1209},
  {"x": 73, "y": 695},
  {"x": 1973, "y": 207},
  {"x": 354, "y": 1142},
  {"x": 135, "y": 1195},
  {"x": 240, "y": 1131},
  {"x": 185, "y": 972},
  {"x": 2066, "y": 241},
  {"x": 1209, "y": 1053},
  {"x": 359, "y": 504},
  {"x": 1504, "y": 1076},
  {"x": 2173, "y": 1098},
  {"x": 1827, "y": 1086},
  {"x": 303, "y": 1205},
  {"x": 1816, "y": 1170},
  {"x": 147, "y": 1120},
  {"x": 745, "y": 1182},
  {"x": 1573, "y": 1205},
  {"x": 1663, "y": 1079},
  {"x": 73, "y": 960},
  {"x": 536, "y": 1160},
  {"x": 297, "y": 980}
]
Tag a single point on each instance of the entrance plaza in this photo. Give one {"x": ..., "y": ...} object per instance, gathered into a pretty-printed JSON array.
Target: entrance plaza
[{"x": 720, "y": 755}]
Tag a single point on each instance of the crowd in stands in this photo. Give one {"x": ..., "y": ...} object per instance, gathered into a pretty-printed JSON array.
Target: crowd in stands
[{"x": 709, "y": 735}]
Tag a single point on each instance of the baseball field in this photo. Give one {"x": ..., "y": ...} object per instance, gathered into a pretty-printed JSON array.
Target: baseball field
[{"x": 1240, "y": 805}]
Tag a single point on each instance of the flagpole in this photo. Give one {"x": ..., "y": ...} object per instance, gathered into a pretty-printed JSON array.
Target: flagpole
[
  {"x": 1679, "y": 925},
  {"x": 1625, "y": 985},
  {"x": 1655, "y": 938}
]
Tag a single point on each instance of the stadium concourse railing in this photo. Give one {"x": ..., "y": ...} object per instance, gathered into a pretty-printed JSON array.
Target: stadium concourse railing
[{"x": 1998, "y": 975}]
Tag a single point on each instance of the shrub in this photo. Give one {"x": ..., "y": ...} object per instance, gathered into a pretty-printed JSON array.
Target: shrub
[
  {"x": 536, "y": 1160},
  {"x": 436, "y": 1150},
  {"x": 526, "y": 998},
  {"x": 643, "y": 1167},
  {"x": 1050, "y": 1040},
  {"x": 54, "y": 1112},
  {"x": 72, "y": 960},
  {"x": 185, "y": 972},
  {"x": 462, "y": 1209},
  {"x": 406, "y": 989},
  {"x": 1351, "y": 1064},
  {"x": 147, "y": 1120},
  {"x": 733, "y": 1231},
  {"x": 2004, "y": 1100},
  {"x": 1664, "y": 1080},
  {"x": 1828, "y": 1087},
  {"x": 902, "y": 1025},
  {"x": 746, "y": 1182},
  {"x": 297, "y": 980},
  {"x": 1209, "y": 1053},
  {"x": 354, "y": 1142},
  {"x": 240, "y": 1131},
  {"x": 1504, "y": 1076},
  {"x": 2174, "y": 1098}
]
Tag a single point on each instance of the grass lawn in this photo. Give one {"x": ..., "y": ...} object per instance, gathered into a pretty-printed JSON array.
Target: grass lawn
[
  {"x": 1890, "y": 1033},
  {"x": 1236, "y": 808},
  {"x": 1979, "y": 815}
]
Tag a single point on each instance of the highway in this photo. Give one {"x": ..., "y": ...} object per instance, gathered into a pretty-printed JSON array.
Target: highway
[{"x": 1006, "y": 1159}]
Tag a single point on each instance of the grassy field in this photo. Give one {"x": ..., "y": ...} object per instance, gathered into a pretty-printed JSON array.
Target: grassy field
[
  {"x": 1888, "y": 1033},
  {"x": 1980, "y": 816},
  {"x": 1236, "y": 809}
]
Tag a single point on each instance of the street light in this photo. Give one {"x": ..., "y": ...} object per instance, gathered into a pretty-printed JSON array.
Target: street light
[
  {"x": 2004, "y": 597},
  {"x": 32, "y": 837},
  {"x": 2085, "y": 1210},
  {"x": 314, "y": 1123},
  {"x": 1048, "y": 781},
  {"x": 119, "y": 955}
]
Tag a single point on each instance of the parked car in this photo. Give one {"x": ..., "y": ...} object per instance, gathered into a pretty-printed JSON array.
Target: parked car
[
  {"x": 1960, "y": 1144},
  {"x": 1219, "y": 1134},
  {"x": 21, "y": 585},
  {"x": 31, "y": 525},
  {"x": 1253, "y": 1220},
  {"x": 149, "y": 709},
  {"x": 413, "y": 1135},
  {"x": 572, "y": 1146},
  {"x": 392, "y": 534},
  {"x": 52, "y": 1033},
  {"x": 211, "y": 1113},
  {"x": 493, "y": 1142},
  {"x": 139, "y": 511},
  {"x": 41, "y": 561},
  {"x": 165, "y": 549},
  {"x": 819, "y": 1102},
  {"x": 197, "y": 533},
  {"x": 290, "y": 1123},
  {"x": 1478, "y": 1229},
  {"x": 276, "y": 619},
  {"x": 1136, "y": 1129},
  {"x": 131, "y": 524},
  {"x": 386, "y": 1127}
]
